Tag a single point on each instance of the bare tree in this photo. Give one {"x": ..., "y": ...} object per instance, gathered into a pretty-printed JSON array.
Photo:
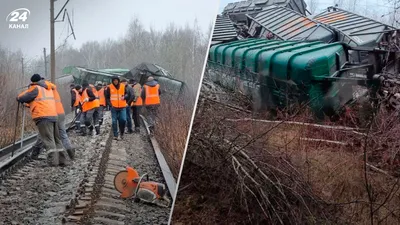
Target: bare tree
[
  {"x": 312, "y": 5},
  {"x": 338, "y": 3}
]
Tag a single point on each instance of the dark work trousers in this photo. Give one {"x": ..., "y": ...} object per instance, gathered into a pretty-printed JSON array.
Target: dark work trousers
[
  {"x": 62, "y": 134},
  {"x": 128, "y": 119},
  {"x": 49, "y": 135},
  {"x": 152, "y": 114},
  {"x": 118, "y": 116},
  {"x": 77, "y": 121},
  {"x": 101, "y": 114},
  {"x": 135, "y": 115},
  {"x": 90, "y": 119}
]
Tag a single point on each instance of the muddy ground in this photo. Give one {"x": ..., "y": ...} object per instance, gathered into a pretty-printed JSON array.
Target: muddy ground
[
  {"x": 141, "y": 156},
  {"x": 38, "y": 194}
]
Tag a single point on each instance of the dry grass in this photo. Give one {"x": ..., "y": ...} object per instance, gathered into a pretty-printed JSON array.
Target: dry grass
[
  {"x": 216, "y": 190},
  {"x": 337, "y": 172},
  {"x": 332, "y": 180},
  {"x": 11, "y": 80},
  {"x": 12, "y": 83},
  {"x": 171, "y": 131}
]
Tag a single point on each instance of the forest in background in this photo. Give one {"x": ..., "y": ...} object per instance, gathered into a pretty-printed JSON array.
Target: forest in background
[{"x": 179, "y": 49}]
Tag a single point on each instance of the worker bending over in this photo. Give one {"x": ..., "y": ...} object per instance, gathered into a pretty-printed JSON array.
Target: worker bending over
[
  {"x": 90, "y": 106},
  {"x": 61, "y": 126},
  {"x": 151, "y": 96},
  {"x": 42, "y": 105},
  {"x": 116, "y": 96}
]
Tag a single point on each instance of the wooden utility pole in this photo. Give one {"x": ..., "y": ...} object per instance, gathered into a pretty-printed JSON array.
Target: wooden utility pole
[
  {"x": 23, "y": 69},
  {"x": 45, "y": 63},
  {"x": 52, "y": 44}
]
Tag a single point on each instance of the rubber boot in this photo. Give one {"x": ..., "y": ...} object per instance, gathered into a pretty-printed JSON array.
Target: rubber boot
[
  {"x": 97, "y": 130},
  {"x": 71, "y": 153},
  {"x": 90, "y": 130},
  {"x": 122, "y": 131},
  {"x": 35, "y": 153},
  {"x": 83, "y": 131},
  {"x": 63, "y": 157},
  {"x": 52, "y": 157}
]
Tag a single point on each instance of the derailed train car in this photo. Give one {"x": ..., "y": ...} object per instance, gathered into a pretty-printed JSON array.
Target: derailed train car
[
  {"x": 281, "y": 74},
  {"x": 281, "y": 23},
  {"x": 237, "y": 10},
  {"x": 357, "y": 31},
  {"x": 224, "y": 30},
  {"x": 81, "y": 74},
  {"x": 171, "y": 87}
]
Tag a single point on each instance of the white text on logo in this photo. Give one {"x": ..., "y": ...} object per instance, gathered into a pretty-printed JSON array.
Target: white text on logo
[{"x": 17, "y": 18}]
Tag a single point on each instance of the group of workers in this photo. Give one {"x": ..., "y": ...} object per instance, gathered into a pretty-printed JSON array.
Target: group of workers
[{"x": 124, "y": 99}]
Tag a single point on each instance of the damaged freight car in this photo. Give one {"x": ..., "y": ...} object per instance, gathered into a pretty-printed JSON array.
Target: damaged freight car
[
  {"x": 282, "y": 74},
  {"x": 171, "y": 87}
]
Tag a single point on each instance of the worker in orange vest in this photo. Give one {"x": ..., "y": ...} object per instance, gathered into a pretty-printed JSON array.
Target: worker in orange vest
[
  {"x": 137, "y": 103},
  {"x": 151, "y": 97},
  {"x": 61, "y": 126},
  {"x": 117, "y": 96},
  {"x": 90, "y": 106},
  {"x": 61, "y": 120},
  {"x": 42, "y": 105},
  {"x": 102, "y": 99},
  {"x": 75, "y": 103}
]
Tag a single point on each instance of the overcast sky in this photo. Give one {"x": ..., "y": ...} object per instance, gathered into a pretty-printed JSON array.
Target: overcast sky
[{"x": 97, "y": 20}]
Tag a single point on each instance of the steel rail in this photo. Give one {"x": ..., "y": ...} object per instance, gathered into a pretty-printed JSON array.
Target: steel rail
[
  {"x": 168, "y": 177},
  {"x": 22, "y": 149}
]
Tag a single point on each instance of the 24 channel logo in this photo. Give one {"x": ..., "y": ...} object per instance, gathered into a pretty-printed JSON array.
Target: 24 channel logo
[{"x": 17, "y": 18}]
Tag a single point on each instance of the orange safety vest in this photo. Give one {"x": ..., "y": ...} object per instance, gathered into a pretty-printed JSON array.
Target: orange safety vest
[
  {"x": 95, "y": 94},
  {"x": 94, "y": 90},
  {"x": 139, "y": 100},
  {"x": 89, "y": 105},
  {"x": 116, "y": 95},
  {"x": 44, "y": 104},
  {"x": 101, "y": 96},
  {"x": 152, "y": 96},
  {"x": 57, "y": 98},
  {"x": 77, "y": 98}
]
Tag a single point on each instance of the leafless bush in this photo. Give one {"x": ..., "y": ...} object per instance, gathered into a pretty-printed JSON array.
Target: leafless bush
[
  {"x": 171, "y": 131},
  {"x": 229, "y": 178},
  {"x": 11, "y": 79},
  {"x": 326, "y": 173}
]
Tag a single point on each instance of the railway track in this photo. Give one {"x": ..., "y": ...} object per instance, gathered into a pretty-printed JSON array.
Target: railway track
[
  {"x": 16, "y": 154},
  {"x": 84, "y": 192}
]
